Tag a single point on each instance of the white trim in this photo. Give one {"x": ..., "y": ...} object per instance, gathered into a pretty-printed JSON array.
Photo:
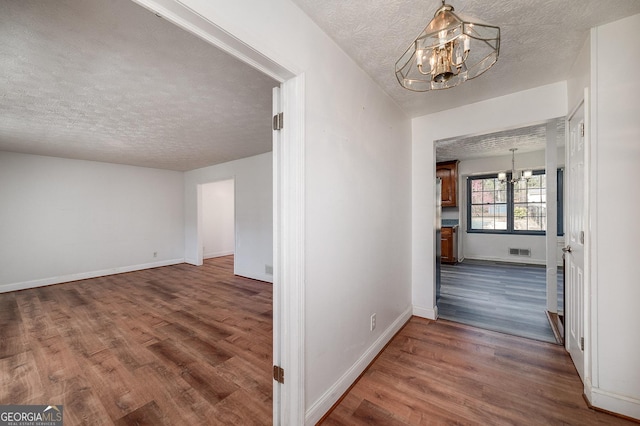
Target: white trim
[
  {"x": 5, "y": 288},
  {"x": 326, "y": 401},
  {"x": 289, "y": 253},
  {"x": 259, "y": 277},
  {"x": 193, "y": 22},
  {"x": 276, "y": 108},
  {"x": 592, "y": 366},
  {"x": 422, "y": 312},
  {"x": 217, "y": 254},
  {"x": 615, "y": 403},
  {"x": 523, "y": 260}
]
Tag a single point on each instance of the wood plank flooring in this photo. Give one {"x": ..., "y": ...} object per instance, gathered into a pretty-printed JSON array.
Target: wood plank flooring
[
  {"x": 510, "y": 298},
  {"x": 175, "y": 345},
  {"x": 442, "y": 372}
]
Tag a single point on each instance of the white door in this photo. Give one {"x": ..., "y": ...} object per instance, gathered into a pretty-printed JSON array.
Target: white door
[{"x": 574, "y": 249}]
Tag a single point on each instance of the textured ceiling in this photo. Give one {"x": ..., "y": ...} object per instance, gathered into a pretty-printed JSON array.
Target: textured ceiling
[
  {"x": 525, "y": 139},
  {"x": 539, "y": 41},
  {"x": 107, "y": 80}
]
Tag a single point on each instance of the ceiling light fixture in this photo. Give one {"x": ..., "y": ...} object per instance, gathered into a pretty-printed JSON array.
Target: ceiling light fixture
[
  {"x": 515, "y": 174},
  {"x": 449, "y": 51}
]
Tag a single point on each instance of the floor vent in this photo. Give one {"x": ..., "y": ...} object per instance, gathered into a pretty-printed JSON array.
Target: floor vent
[{"x": 520, "y": 252}]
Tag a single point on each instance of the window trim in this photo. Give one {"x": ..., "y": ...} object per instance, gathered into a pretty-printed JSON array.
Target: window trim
[{"x": 510, "y": 206}]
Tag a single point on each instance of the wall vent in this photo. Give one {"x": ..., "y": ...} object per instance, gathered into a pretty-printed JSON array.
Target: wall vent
[{"x": 519, "y": 252}]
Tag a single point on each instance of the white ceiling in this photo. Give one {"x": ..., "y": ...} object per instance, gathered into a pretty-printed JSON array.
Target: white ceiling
[
  {"x": 524, "y": 139},
  {"x": 107, "y": 80},
  {"x": 540, "y": 40}
]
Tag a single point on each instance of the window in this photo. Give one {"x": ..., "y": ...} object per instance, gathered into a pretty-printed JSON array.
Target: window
[
  {"x": 488, "y": 204},
  {"x": 503, "y": 207},
  {"x": 530, "y": 204}
]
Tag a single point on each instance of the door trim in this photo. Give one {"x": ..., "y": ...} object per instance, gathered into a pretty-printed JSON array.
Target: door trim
[{"x": 288, "y": 258}]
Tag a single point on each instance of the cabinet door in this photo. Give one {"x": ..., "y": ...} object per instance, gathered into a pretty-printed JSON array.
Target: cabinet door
[
  {"x": 446, "y": 241},
  {"x": 448, "y": 173},
  {"x": 446, "y": 250}
]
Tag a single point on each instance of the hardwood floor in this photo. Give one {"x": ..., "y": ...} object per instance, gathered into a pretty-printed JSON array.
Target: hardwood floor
[
  {"x": 442, "y": 372},
  {"x": 168, "y": 346},
  {"x": 510, "y": 298}
]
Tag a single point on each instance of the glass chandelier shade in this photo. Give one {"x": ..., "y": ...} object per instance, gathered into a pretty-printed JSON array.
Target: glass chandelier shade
[
  {"x": 449, "y": 51},
  {"x": 516, "y": 175}
]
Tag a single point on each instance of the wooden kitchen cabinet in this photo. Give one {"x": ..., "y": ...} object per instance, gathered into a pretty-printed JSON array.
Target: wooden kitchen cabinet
[
  {"x": 449, "y": 246},
  {"x": 448, "y": 172}
]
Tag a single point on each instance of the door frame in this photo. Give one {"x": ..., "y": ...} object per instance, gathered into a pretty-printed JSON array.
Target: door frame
[
  {"x": 288, "y": 201},
  {"x": 201, "y": 218}
]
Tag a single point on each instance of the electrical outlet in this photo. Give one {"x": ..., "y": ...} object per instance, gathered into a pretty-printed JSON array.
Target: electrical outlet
[
  {"x": 373, "y": 322},
  {"x": 268, "y": 269},
  {"x": 155, "y": 254}
]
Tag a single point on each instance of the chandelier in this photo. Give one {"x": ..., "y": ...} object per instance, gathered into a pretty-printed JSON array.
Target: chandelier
[
  {"x": 515, "y": 174},
  {"x": 449, "y": 51}
]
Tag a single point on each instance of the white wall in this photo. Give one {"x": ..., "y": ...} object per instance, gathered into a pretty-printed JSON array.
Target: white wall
[
  {"x": 491, "y": 246},
  {"x": 253, "y": 213},
  {"x": 62, "y": 220},
  {"x": 615, "y": 232},
  {"x": 218, "y": 227},
  {"x": 357, "y": 190},
  {"x": 511, "y": 111}
]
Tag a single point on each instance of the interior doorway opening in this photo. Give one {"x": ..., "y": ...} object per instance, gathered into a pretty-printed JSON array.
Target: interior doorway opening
[
  {"x": 509, "y": 278},
  {"x": 218, "y": 219}
]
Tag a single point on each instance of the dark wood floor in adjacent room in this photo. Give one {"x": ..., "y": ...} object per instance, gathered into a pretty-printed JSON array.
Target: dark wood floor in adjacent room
[
  {"x": 442, "y": 372},
  {"x": 177, "y": 345}
]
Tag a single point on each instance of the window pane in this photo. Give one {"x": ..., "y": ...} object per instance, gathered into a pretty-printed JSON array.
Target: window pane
[
  {"x": 520, "y": 196},
  {"x": 534, "y": 182},
  {"x": 476, "y": 198},
  {"x": 488, "y": 223},
  {"x": 530, "y": 207},
  {"x": 488, "y": 204},
  {"x": 488, "y": 184},
  {"x": 488, "y": 197}
]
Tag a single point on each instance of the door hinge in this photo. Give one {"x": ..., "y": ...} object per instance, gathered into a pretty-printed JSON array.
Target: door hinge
[
  {"x": 582, "y": 130},
  {"x": 278, "y": 374},
  {"x": 278, "y": 121},
  {"x": 582, "y": 343}
]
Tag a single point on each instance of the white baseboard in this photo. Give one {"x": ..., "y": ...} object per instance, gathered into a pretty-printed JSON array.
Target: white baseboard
[
  {"x": 259, "y": 277},
  {"x": 326, "y": 401},
  {"x": 615, "y": 403},
  {"x": 4, "y": 288},
  {"x": 513, "y": 259},
  {"x": 217, "y": 254},
  {"x": 422, "y": 312}
]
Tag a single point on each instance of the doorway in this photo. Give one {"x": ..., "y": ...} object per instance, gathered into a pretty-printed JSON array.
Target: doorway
[
  {"x": 218, "y": 219},
  {"x": 509, "y": 264},
  {"x": 288, "y": 200}
]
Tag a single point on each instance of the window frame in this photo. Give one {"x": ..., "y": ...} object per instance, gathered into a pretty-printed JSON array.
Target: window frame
[{"x": 510, "y": 206}]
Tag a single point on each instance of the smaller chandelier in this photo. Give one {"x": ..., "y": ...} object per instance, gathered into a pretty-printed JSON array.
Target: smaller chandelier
[
  {"x": 516, "y": 175},
  {"x": 449, "y": 51}
]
